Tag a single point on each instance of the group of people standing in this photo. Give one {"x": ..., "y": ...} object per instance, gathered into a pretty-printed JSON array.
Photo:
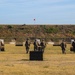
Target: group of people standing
[
  {"x": 63, "y": 46},
  {"x": 38, "y": 46}
]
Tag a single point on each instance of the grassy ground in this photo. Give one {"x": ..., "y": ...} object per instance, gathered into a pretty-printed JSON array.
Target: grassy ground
[{"x": 15, "y": 61}]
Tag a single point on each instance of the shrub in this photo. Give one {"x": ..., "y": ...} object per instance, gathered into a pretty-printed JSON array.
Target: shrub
[
  {"x": 51, "y": 30},
  {"x": 9, "y": 26}
]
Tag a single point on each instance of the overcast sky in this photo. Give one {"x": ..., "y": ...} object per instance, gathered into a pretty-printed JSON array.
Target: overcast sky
[{"x": 43, "y": 11}]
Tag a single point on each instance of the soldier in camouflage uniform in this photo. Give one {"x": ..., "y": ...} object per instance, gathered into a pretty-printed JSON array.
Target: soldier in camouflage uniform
[
  {"x": 35, "y": 45},
  {"x": 27, "y": 45},
  {"x": 0, "y": 45},
  {"x": 73, "y": 45},
  {"x": 43, "y": 45},
  {"x": 63, "y": 46}
]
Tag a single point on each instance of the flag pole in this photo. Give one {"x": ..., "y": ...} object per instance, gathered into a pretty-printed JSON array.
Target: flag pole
[{"x": 35, "y": 30}]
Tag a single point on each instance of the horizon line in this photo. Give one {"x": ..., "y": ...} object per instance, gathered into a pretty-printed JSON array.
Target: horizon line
[{"x": 37, "y": 24}]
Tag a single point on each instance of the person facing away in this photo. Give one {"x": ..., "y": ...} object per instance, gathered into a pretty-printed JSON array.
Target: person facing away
[
  {"x": 35, "y": 45},
  {"x": 43, "y": 45},
  {"x": 63, "y": 46},
  {"x": 73, "y": 45},
  {"x": 0, "y": 45},
  {"x": 27, "y": 45}
]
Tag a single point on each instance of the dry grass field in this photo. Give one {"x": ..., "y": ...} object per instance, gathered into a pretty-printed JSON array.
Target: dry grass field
[{"x": 14, "y": 61}]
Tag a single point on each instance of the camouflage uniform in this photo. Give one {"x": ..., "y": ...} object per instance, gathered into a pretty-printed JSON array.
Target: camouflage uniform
[
  {"x": 63, "y": 46},
  {"x": 35, "y": 45},
  {"x": 73, "y": 44},
  {"x": 43, "y": 45},
  {"x": 0, "y": 45},
  {"x": 27, "y": 45}
]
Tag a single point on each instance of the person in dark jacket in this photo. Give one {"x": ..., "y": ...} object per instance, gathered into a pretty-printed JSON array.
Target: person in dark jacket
[
  {"x": 27, "y": 45},
  {"x": 63, "y": 46}
]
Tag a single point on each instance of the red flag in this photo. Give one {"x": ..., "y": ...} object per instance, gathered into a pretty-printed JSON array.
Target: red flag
[{"x": 34, "y": 19}]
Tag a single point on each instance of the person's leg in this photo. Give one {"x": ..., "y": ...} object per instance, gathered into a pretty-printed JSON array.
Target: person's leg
[
  {"x": 42, "y": 49},
  {"x": 74, "y": 49},
  {"x": 63, "y": 51},
  {"x": 0, "y": 48},
  {"x": 26, "y": 49},
  {"x": 34, "y": 48}
]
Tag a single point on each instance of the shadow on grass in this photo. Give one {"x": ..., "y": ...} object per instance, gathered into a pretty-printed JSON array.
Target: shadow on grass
[
  {"x": 29, "y": 60},
  {"x": 24, "y": 60}
]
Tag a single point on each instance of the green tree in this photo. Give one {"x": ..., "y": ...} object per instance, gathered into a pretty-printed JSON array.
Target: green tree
[{"x": 9, "y": 27}]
